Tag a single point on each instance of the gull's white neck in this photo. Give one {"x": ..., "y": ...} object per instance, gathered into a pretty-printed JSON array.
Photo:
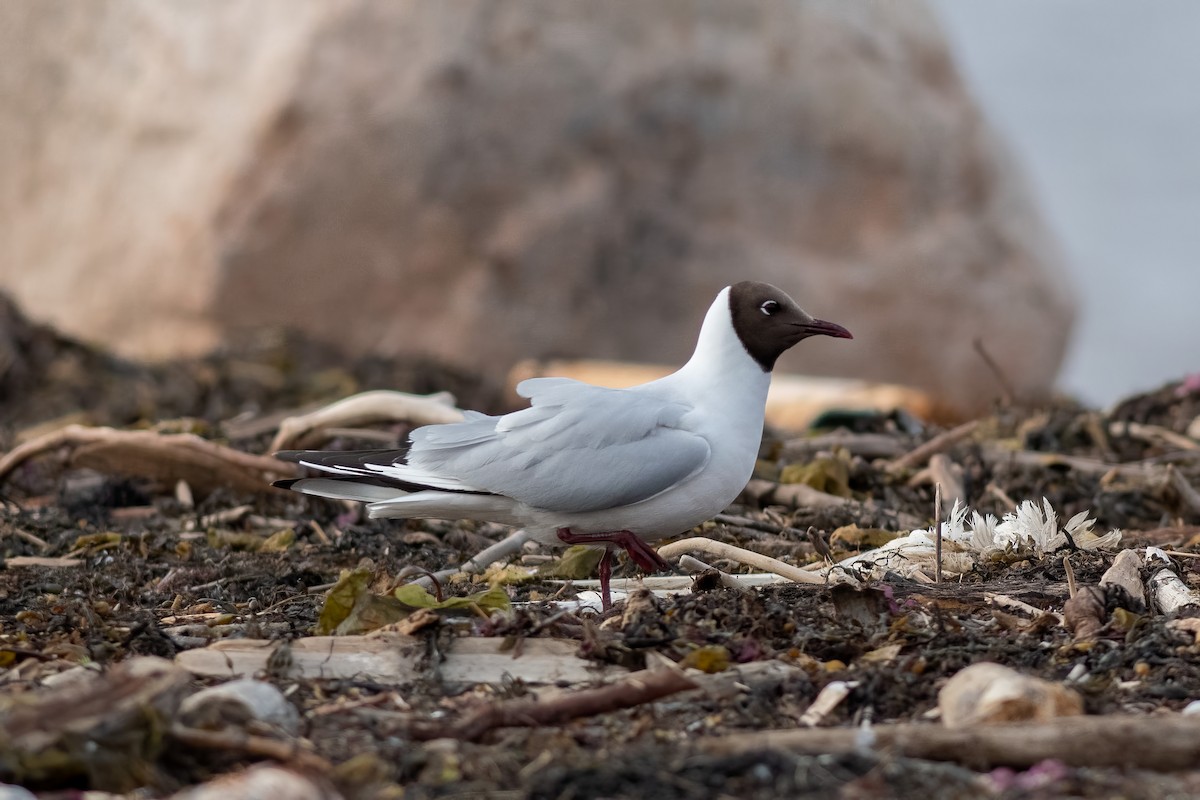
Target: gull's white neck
[{"x": 720, "y": 364}]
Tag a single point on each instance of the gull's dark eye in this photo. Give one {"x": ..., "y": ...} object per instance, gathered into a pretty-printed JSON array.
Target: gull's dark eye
[{"x": 769, "y": 307}]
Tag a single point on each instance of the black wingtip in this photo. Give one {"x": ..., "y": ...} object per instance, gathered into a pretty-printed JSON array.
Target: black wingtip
[
  {"x": 285, "y": 484},
  {"x": 291, "y": 455}
]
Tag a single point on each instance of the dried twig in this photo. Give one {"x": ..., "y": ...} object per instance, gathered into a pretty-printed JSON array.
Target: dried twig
[
  {"x": 740, "y": 555},
  {"x": 1148, "y": 742},
  {"x": 480, "y": 561},
  {"x": 1170, "y": 593},
  {"x": 237, "y": 740},
  {"x": 203, "y": 464},
  {"x": 943, "y": 441},
  {"x": 1012, "y": 603},
  {"x": 1067, "y": 568},
  {"x": 1006, "y": 388},
  {"x": 695, "y": 565},
  {"x": 759, "y": 525},
  {"x": 826, "y": 701},
  {"x": 1000, "y": 495},
  {"x": 319, "y": 531},
  {"x": 366, "y": 408},
  {"x": 36, "y": 541},
  {"x": 867, "y": 445},
  {"x": 1187, "y": 493},
  {"x": 949, "y": 475},
  {"x": 1153, "y": 434},
  {"x": 1090, "y": 466},
  {"x": 639, "y": 688},
  {"x": 937, "y": 514},
  {"x": 42, "y": 561}
]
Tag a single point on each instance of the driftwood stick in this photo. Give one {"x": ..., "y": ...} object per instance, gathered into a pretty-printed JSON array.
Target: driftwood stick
[
  {"x": 1147, "y": 742},
  {"x": 368, "y": 407},
  {"x": 943, "y": 441},
  {"x": 944, "y": 471},
  {"x": 1012, "y": 603},
  {"x": 155, "y": 455},
  {"x": 1188, "y": 494},
  {"x": 695, "y": 565},
  {"x": 641, "y": 687},
  {"x": 234, "y": 740},
  {"x": 1170, "y": 593},
  {"x": 1153, "y": 434},
  {"x": 937, "y": 514},
  {"x": 867, "y": 445},
  {"x": 1035, "y": 458},
  {"x": 740, "y": 555}
]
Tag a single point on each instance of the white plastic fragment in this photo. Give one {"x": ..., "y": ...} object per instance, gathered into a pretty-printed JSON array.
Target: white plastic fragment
[
  {"x": 1158, "y": 553},
  {"x": 826, "y": 701},
  {"x": 1077, "y": 673}
]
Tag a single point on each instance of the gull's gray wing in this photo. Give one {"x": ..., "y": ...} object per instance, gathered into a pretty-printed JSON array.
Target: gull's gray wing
[{"x": 576, "y": 448}]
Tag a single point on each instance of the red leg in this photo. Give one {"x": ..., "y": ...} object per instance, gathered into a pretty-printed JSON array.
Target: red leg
[
  {"x": 642, "y": 554},
  {"x": 605, "y": 572}
]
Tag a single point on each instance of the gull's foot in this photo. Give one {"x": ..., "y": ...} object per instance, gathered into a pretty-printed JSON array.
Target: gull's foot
[{"x": 642, "y": 554}]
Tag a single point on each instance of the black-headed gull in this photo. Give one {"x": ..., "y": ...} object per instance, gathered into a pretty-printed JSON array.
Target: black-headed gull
[{"x": 589, "y": 465}]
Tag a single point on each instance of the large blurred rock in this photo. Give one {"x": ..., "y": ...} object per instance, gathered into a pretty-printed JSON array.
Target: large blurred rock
[{"x": 484, "y": 181}]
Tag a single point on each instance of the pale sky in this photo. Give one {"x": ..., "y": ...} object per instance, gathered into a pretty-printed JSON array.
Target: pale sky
[{"x": 1099, "y": 101}]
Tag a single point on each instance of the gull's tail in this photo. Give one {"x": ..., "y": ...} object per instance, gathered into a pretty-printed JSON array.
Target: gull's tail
[{"x": 355, "y": 475}]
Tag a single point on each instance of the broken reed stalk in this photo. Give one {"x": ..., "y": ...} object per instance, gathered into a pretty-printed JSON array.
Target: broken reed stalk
[
  {"x": 1010, "y": 397},
  {"x": 641, "y": 687},
  {"x": 1067, "y": 568},
  {"x": 740, "y": 555},
  {"x": 943, "y": 441},
  {"x": 695, "y": 566},
  {"x": 367, "y": 408},
  {"x": 937, "y": 513}
]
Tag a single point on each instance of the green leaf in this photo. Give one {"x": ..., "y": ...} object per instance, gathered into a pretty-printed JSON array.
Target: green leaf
[
  {"x": 709, "y": 659},
  {"x": 372, "y": 611},
  {"x": 279, "y": 541},
  {"x": 91, "y": 543},
  {"x": 235, "y": 540},
  {"x": 414, "y": 596},
  {"x": 829, "y": 474},
  {"x": 340, "y": 600},
  {"x": 577, "y": 563}
]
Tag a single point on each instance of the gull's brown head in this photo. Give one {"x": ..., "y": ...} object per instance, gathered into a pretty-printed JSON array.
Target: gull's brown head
[{"x": 768, "y": 322}]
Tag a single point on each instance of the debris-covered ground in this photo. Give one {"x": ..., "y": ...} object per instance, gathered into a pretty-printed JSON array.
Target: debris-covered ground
[{"x": 118, "y": 546}]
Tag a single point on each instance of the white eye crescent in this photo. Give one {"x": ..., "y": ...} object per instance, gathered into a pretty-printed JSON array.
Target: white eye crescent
[{"x": 769, "y": 307}]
